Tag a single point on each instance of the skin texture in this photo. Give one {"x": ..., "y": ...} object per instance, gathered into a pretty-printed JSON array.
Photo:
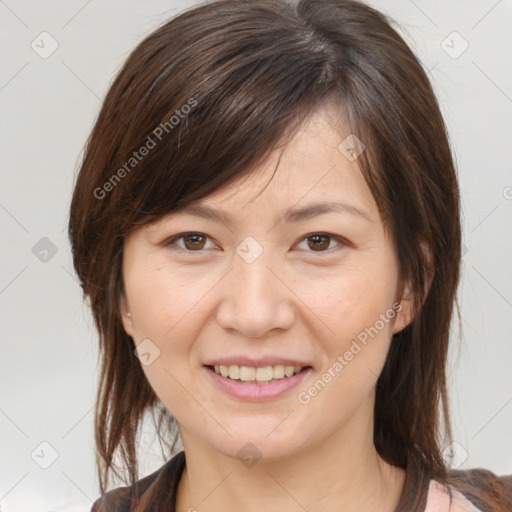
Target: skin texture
[{"x": 292, "y": 301}]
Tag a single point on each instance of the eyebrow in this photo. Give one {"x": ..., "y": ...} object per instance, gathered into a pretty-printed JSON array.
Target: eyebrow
[{"x": 290, "y": 214}]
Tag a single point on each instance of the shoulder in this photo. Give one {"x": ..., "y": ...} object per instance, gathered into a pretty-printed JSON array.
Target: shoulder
[
  {"x": 474, "y": 490},
  {"x": 158, "y": 487}
]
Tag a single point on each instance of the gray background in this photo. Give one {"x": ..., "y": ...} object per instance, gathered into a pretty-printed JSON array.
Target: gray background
[{"x": 48, "y": 362}]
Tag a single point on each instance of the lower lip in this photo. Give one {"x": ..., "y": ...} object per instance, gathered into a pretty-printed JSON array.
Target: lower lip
[{"x": 254, "y": 392}]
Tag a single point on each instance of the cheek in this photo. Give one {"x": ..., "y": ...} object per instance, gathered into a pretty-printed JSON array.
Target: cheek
[
  {"x": 167, "y": 308},
  {"x": 350, "y": 300},
  {"x": 163, "y": 303},
  {"x": 163, "y": 312},
  {"x": 354, "y": 356},
  {"x": 355, "y": 331}
]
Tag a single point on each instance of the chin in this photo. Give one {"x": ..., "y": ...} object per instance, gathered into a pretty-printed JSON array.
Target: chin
[{"x": 261, "y": 439}]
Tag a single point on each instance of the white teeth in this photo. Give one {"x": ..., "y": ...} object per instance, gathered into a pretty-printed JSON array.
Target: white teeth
[
  {"x": 289, "y": 370},
  {"x": 264, "y": 373},
  {"x": 278, "y": 371},
  {"x": 234, "y": 371},
  {"x": 247, "y": 373},
  {"x": 261, "y": 374}
]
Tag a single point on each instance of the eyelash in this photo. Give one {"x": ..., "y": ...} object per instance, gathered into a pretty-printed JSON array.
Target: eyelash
[{"x": 341, "y": 241}]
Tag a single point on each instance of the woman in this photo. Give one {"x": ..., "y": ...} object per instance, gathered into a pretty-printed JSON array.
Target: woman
[{"x": 266, "y": 224}]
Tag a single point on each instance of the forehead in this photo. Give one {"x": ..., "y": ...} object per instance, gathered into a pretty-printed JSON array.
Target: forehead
[
  {"x": 309, "y": 174},
  {"x": 312, "y": 165}
]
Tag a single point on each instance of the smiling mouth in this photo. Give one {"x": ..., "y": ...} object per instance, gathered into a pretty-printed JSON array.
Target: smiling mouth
[{"x": 258, "y": 375}]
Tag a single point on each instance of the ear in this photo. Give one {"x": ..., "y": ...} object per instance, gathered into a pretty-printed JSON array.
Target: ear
[
  {"x": 126, "y": 316},
  {"x": 406, "y": 313},
  {"x": 405, "y": 310}
]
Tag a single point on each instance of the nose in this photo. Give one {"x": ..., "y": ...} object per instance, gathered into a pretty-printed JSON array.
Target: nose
[{"x": 255, "y": 298}]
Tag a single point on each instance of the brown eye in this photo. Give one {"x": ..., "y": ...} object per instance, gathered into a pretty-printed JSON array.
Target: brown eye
[
  {"x": 190, "y": 242},
  {"x": 318, "y": 242},
  {"x": 194, "y": 241}
]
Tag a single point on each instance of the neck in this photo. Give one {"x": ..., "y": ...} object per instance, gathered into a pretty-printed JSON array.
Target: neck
[{"x": 343, "y": 469}]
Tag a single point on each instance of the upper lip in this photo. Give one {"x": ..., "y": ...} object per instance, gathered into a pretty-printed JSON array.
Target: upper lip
[{"x": 255, "y": 362}]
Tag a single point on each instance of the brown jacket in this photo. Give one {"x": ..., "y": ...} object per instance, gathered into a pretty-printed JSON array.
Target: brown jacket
[{"x": 481, "y": 488}]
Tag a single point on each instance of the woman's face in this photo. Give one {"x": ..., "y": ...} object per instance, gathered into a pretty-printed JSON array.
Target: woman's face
[{"x": 267, "y": 283}]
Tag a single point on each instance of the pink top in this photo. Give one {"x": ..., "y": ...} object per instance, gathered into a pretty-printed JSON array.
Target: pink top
[{"x": 438, "y": 500}]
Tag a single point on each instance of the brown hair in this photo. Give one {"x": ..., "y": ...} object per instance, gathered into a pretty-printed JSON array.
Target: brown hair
[{"x": 209, "y": 94}]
